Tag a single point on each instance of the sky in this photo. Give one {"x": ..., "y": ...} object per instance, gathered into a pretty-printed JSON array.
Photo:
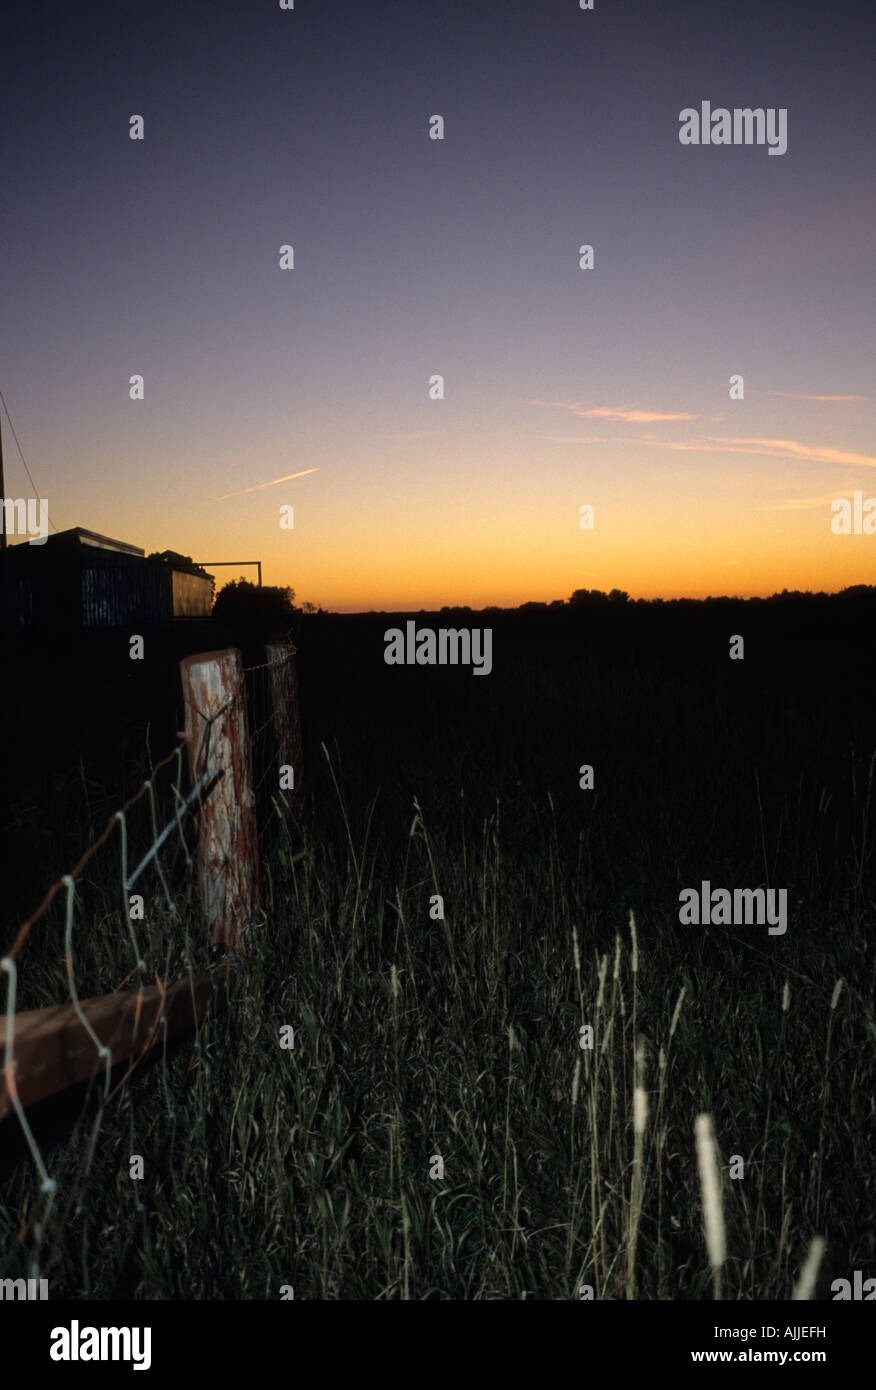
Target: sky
[{"x": 415, "y": 257}]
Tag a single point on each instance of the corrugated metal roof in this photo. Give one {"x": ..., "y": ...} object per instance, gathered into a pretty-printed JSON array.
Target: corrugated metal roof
[{"x": 95, "y": 540}]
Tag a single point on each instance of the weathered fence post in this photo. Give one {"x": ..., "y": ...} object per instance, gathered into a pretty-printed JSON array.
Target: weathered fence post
[
  {"x": 214, "y": 697},
  {"x": 284, "y": 700}
]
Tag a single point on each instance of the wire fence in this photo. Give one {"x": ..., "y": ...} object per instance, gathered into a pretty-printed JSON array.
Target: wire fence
[{"x": 180, "y": 906}]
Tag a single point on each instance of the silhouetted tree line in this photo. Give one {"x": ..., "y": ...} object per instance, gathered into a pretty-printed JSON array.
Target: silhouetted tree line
[{"x": 274, "y": 608}]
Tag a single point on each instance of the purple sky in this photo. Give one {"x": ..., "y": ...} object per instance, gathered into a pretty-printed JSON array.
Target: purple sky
[{"x": 415, "y": 257}]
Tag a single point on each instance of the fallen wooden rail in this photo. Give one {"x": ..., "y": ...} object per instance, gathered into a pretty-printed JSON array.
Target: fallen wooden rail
[{"x": 53, "y": 1050}]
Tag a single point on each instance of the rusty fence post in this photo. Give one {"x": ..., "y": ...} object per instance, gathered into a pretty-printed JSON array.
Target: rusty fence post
[
  {"x": 214, "y": 698},
  {"x": 287, "y": 743}
]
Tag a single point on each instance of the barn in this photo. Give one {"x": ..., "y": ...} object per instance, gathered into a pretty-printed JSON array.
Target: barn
[{"x": 78, "y": 579}]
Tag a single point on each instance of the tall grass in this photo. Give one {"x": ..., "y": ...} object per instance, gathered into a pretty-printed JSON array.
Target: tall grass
[
  {"x": 566, "y": 1168},
  {"x": 418, "y": 1037}
]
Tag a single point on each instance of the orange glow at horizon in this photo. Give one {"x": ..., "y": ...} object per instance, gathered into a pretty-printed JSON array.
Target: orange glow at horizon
[
  {"x": 677, "y": 548},
  {"x": 478, "y": 519}
]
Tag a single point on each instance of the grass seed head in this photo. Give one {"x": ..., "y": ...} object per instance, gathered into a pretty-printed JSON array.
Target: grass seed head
[{"x": 713, "y": 1216}]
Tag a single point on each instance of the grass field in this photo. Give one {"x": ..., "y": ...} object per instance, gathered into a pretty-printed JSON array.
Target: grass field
[{"x": 416, "y": 1037}]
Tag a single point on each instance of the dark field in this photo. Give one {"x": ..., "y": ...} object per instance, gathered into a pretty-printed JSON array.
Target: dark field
[{"x": 417, "y": 1037}]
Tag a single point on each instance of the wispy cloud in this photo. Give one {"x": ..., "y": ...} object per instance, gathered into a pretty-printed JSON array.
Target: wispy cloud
[
  {"x": 717, "y": 444},
  {"x": 273, "y": 483},
  {"x": 633, "y": 415},
  {"x": 791, "y": 449},
  {"x": 804, "y": 396}
]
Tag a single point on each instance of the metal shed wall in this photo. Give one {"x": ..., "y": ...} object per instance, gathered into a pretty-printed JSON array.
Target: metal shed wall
[
  {"x": 192, "y": 595},
  {"x": 115, "y": 595}
]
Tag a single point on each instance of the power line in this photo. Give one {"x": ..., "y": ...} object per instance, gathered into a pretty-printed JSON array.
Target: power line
[{"x": 23, "y": 459}]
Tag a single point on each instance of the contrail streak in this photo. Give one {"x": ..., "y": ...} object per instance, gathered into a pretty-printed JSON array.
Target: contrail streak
[{"x": 258, "y": 487}]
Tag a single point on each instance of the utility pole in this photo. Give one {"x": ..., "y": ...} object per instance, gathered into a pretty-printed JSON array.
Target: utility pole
[{"x": 2, "y": 491}]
